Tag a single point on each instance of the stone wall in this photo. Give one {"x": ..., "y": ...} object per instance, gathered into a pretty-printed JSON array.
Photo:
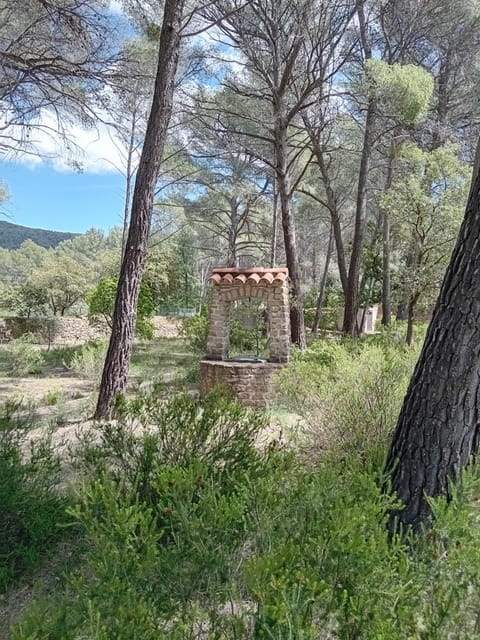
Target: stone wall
[
  {"x": 73, "y": 330},
  {"x": 251, "y": 382}
]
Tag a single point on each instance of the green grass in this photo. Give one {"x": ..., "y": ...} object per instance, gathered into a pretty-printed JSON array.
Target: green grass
[{"x": 162, "y": 361}]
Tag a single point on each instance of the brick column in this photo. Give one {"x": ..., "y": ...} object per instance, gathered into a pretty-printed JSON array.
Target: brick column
[
  {"x": 279, "y": 321},
  {"x": 218, "y": 331}
]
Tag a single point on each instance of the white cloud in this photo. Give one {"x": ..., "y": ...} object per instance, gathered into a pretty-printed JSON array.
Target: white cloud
[{"x": 93, "y": 150}]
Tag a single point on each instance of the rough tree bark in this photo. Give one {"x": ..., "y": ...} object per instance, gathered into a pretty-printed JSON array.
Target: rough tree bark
[
  {"x": 297, "y": 322},
  {"x": 439, "y": 426},
  {"x": 114, "y": 377}
]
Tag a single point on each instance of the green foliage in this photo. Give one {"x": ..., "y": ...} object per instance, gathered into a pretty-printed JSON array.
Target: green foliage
[
  {"x": 88, "y": 360},
  {"x": 101, "y": 303},
  {"x": 426, "y": 203},
  {"x": 349, "y": 394},
  {"x": 32, "y": 509},
  {"x": 64, "y": 279},
  {"x": 23, "y": 356},
  {"x": 404, "y": 90},
  {"x": 195, "y": 330},
  {"x": 26, "y": 299},
  {"x": 163, "y": 509},
  {"x": 190, "y": 530}
]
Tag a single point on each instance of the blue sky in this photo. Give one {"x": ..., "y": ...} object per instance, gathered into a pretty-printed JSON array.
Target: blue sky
[{"x": 45, "y": 197}]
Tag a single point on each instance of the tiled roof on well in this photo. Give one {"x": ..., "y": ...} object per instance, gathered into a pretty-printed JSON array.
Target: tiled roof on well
[{"x": 232, "y": 275}]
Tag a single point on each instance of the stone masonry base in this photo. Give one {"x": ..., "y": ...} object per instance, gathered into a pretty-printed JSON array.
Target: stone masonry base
[{"x": 251, "y": 382}]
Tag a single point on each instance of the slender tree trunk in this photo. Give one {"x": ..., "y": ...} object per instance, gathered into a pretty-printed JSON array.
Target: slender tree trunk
[
  {"x": 273, "y": 246},
  {"x": 402, "y": 310},
  {"x": 351, "y": 297},
  {"x": 114, "y": 377},
  {"x": 285, "y": 197},
  {"x": 386, "y": 273},
  {"x": 323, "y": 283},
  {"x": 129, "y": 181},
  {"x": 331, "y": 203},
  {"x": 410, "y": 319},
  {"x": 438, "y": 429},
  {"x": 232, "y": 258}
]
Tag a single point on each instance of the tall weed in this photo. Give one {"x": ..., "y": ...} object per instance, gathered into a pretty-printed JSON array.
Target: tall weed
[{"x": 348, "y": 394}]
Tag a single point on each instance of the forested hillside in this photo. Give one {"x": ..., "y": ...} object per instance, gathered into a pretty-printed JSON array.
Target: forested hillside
[{"x": 12, "y": 236}]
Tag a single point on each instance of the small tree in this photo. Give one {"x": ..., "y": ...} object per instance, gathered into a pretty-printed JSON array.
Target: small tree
[
  {"x": 425, "y": 204},
  {"x": 27, "y": 299},
  {"x": 64, "y": 280},
  {"x": 101, "y": 304}
]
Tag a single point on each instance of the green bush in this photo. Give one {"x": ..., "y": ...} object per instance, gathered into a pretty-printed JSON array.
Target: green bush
[
  {"x": 31, "y": 508},
  {"x": 191, "y": 531},
  {"x": 101, "y": 303},
  {"x": 195, "y": 330},
  {"x": 348, "y": 394},
  {"x": 87, "y": 361},
  {"x": 23, "y": 357},
  {"x": 164, "y": 510}
]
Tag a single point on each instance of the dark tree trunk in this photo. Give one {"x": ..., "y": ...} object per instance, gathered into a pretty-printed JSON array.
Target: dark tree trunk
[
  {"x": 273, "y": 246},
  {"x": 386, "y": 275},
  {"x": 351, "y": 295},
  {"x": 438, "y": 429},
  {"x": 402, "y": 310},
  {"x": 114, "y": 377},
  {"x": 323, "y": 284},
  {"x": 410, "y": 319},
  {"x": 331, "y": 204},
  {"x": 285, "y": 197},
  {"x": 129, "y": 180}
]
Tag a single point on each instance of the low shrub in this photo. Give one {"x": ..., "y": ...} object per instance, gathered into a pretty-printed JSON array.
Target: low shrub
[
  {"x": 24, "y": 357},
  {"x": 31, "y": 508},
  {"x": 87, "y": 361},
  {"x": 349, "y": 394},
  {"x": 195, "y": 330},
  {"x": 191, "y": 532}
]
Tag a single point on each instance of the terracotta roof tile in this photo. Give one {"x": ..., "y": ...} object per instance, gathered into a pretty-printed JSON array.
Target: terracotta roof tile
[
  {"x": 273, "y": 276},
  {"x": 267, "y": 278}
]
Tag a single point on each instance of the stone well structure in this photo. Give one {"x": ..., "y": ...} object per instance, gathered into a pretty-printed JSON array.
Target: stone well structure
[{"x": 250, "y": 380}]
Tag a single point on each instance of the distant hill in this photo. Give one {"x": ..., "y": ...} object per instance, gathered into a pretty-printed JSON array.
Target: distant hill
[{"x": 12, "y": 236}]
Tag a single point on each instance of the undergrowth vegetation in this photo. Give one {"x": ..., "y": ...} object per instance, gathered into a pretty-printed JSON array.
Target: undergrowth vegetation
[
  {"x": 32, "y": 510},
  {"x": 191, "y": 530}
]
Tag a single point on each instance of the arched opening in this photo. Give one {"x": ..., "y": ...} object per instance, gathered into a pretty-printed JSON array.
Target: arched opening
[
  {"x": 248, "y": 330},
  {"x": 256, "y": 299}
]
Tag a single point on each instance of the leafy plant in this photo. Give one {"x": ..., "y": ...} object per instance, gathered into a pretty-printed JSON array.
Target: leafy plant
[
  {"x": 24, "y": 357},
  {"x": 348, "y": 394},
  {"x": 31, "y": 507},
  {"x": 101, "y": 304},
  {"x": 88, "y": 360}
]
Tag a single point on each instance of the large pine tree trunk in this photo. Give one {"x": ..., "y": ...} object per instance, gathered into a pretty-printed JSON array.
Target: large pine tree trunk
[
  {"x": 438, "y": 428},
  {"x": 114, "y": 377}
]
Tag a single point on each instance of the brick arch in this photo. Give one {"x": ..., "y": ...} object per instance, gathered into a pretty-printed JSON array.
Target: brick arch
[
  {"x": 268, "y": 285},
  {"x": 242, "y": 292}
]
